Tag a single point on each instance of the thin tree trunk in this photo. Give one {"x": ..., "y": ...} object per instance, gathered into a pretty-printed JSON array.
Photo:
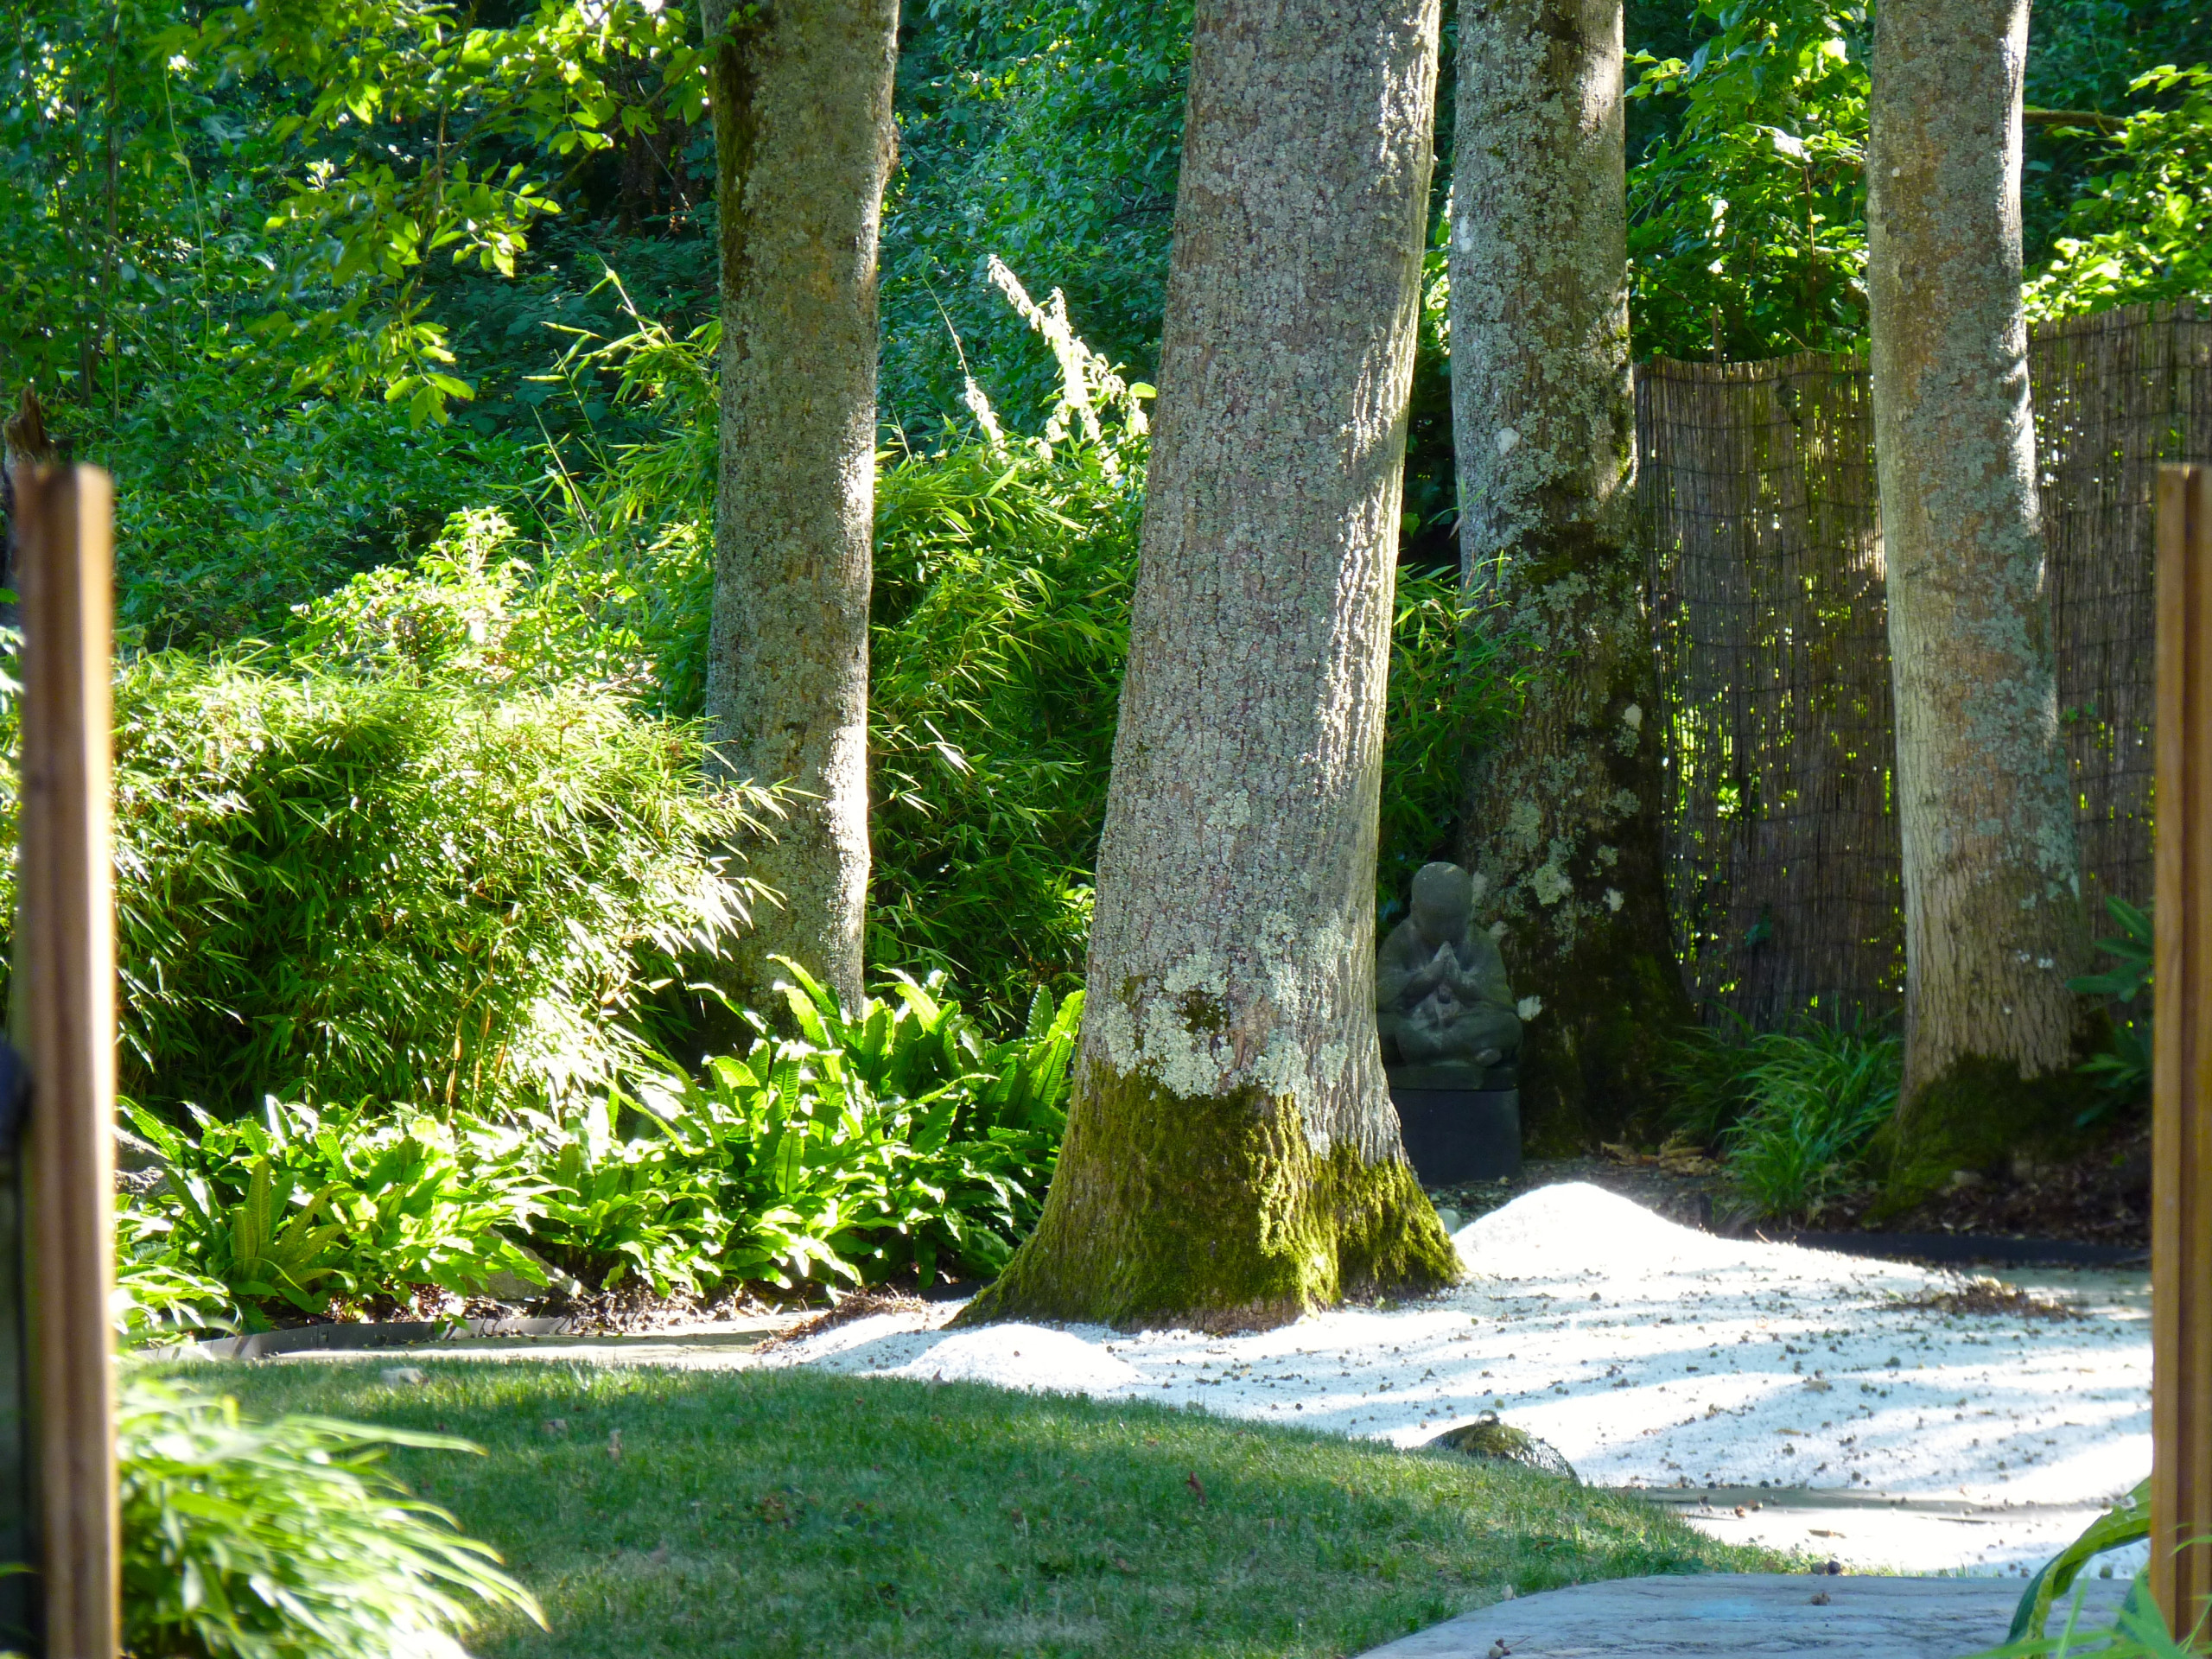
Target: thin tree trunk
[
  {"x": 1993, "y": 924},
  {"x": 1562, "y": 820},
  {"x": 803, "y": 140},
  {"x": 1232, "y": 1158}
]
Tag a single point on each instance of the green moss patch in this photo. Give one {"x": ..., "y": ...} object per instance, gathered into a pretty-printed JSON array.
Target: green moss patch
[
  {"x": 1975, "y": 1116},
  {"x": 1212, "y": 1213}
]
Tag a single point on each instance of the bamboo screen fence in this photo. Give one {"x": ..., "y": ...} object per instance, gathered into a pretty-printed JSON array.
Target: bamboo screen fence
[{"x": 1756, "y": 483}]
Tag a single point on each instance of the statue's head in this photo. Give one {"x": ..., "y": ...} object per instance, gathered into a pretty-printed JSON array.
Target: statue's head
[{"x": 1444, "y": 902}]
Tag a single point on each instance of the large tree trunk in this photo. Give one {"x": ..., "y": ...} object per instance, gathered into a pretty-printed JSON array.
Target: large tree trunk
[
  {"x": 1232, "y": 1158},
  {"x": 1994, "y": 925},
  {"x": 803, "y": 140},
  {"x": 1563, "y": 816}
]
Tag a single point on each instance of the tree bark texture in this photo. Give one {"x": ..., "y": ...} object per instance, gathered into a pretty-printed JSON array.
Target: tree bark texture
[
  {"x": 1994, "y": 925},
  {"x": 1232, "y": 1157},
  {"x": 1562, "y": 824},
  {"x": 803, "y": 140}
]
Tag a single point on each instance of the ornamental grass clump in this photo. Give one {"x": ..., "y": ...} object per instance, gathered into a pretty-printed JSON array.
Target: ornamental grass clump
[
  {"x": 1002, "y": 611},
  {"x": 288, "y": 1540},
  {"x": 1793, "y": 1110}
]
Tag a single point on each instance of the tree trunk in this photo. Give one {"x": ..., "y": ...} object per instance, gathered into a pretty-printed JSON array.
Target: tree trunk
[
  {"x": 803, "y": 142},
  {"x": 1993, "y": 924},
  {"x": 1562, "y": 825},
  {"x": 1232, "y": 1158}
]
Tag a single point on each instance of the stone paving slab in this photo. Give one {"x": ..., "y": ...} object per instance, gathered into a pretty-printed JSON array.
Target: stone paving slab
[{"x": 1742, "y": 1614}]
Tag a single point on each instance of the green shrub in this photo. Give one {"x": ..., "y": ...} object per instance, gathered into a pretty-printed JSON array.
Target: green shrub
[
  {"x": 158, "y": 1298},
  {"x": 235, "y": 503},
  {"x": 1703, "y": 1070},
  {"x": 342, "y": 1204},
  {"x": 1450, "y": 690},
  {"x": 1792, "y": 1110},
  {"x": 286, "y": 1540},
  {"x": 892, "y": 1140},
  {"x": 384, "y": 867},
  {"x": 2141, "y": 232},
  {"x": 961, "y": 1133},
  {"x": 1001, "y": 623}
]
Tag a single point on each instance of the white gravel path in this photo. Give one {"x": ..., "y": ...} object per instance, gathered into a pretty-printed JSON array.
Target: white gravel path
[{"x": 1651, "y": 1356}]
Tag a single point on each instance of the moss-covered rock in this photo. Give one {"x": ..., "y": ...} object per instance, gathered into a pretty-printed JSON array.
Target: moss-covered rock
[
  {"x": 1494, "y": 1441},
  {"x": 1212, "y": 1213}
]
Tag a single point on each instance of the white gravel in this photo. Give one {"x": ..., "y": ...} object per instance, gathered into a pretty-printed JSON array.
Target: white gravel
[{"x": 1654, "y": 1356}]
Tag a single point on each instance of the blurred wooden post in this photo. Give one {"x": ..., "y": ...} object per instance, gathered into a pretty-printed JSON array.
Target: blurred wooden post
[
  {"x": 64, "y": 1021},
  {"x": 2181, "y": 1179}
]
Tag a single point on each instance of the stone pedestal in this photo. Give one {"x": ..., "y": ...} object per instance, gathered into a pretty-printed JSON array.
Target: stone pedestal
[{"x": 1459, "y": 1135}]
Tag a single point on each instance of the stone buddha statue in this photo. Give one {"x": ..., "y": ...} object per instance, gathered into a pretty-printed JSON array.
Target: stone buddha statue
[{"x": 1442, "y": 1004}]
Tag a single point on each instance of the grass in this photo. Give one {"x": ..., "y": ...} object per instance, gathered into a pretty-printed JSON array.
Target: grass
[{"x": 666, "y": 1513}]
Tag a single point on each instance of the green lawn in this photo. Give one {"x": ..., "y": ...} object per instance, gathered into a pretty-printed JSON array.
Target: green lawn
[{"x": 791, "y": 1513}]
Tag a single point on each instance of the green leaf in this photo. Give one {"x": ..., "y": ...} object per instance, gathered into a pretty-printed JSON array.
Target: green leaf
[{"x": 2126, "y": 1523}]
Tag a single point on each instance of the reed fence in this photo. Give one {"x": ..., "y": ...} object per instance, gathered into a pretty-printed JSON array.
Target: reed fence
[{"x": 1755, "y": 483}]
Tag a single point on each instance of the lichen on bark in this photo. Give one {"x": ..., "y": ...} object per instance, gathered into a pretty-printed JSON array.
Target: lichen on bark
[
  {"x": 1231, "y": 1154},
  {"x": 801, "y": 98},
  {"x": 1993, "y": 924},
  {"x": 1562, "y": 820}
]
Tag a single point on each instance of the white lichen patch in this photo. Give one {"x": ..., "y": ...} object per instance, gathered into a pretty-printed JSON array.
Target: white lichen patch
[{"x": 1549, "y": 883}]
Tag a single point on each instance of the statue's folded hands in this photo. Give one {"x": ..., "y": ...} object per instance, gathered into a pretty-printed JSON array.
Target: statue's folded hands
[{"x": 1443, "y": 1002}]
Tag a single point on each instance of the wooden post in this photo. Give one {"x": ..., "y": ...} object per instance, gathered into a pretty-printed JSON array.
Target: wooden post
[
  {"x": 2180, "y": 1147},
  {"x": 63, "y": 1016}
]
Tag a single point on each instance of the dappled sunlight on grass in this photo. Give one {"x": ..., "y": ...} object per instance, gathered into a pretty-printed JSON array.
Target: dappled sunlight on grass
[{"x": 773, "y": 1513}]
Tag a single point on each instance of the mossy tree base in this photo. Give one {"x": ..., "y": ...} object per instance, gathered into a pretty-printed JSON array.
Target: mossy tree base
[
  {"x": 1212, "y": 1214},
  {"x": 1974, "y": 1115}
]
